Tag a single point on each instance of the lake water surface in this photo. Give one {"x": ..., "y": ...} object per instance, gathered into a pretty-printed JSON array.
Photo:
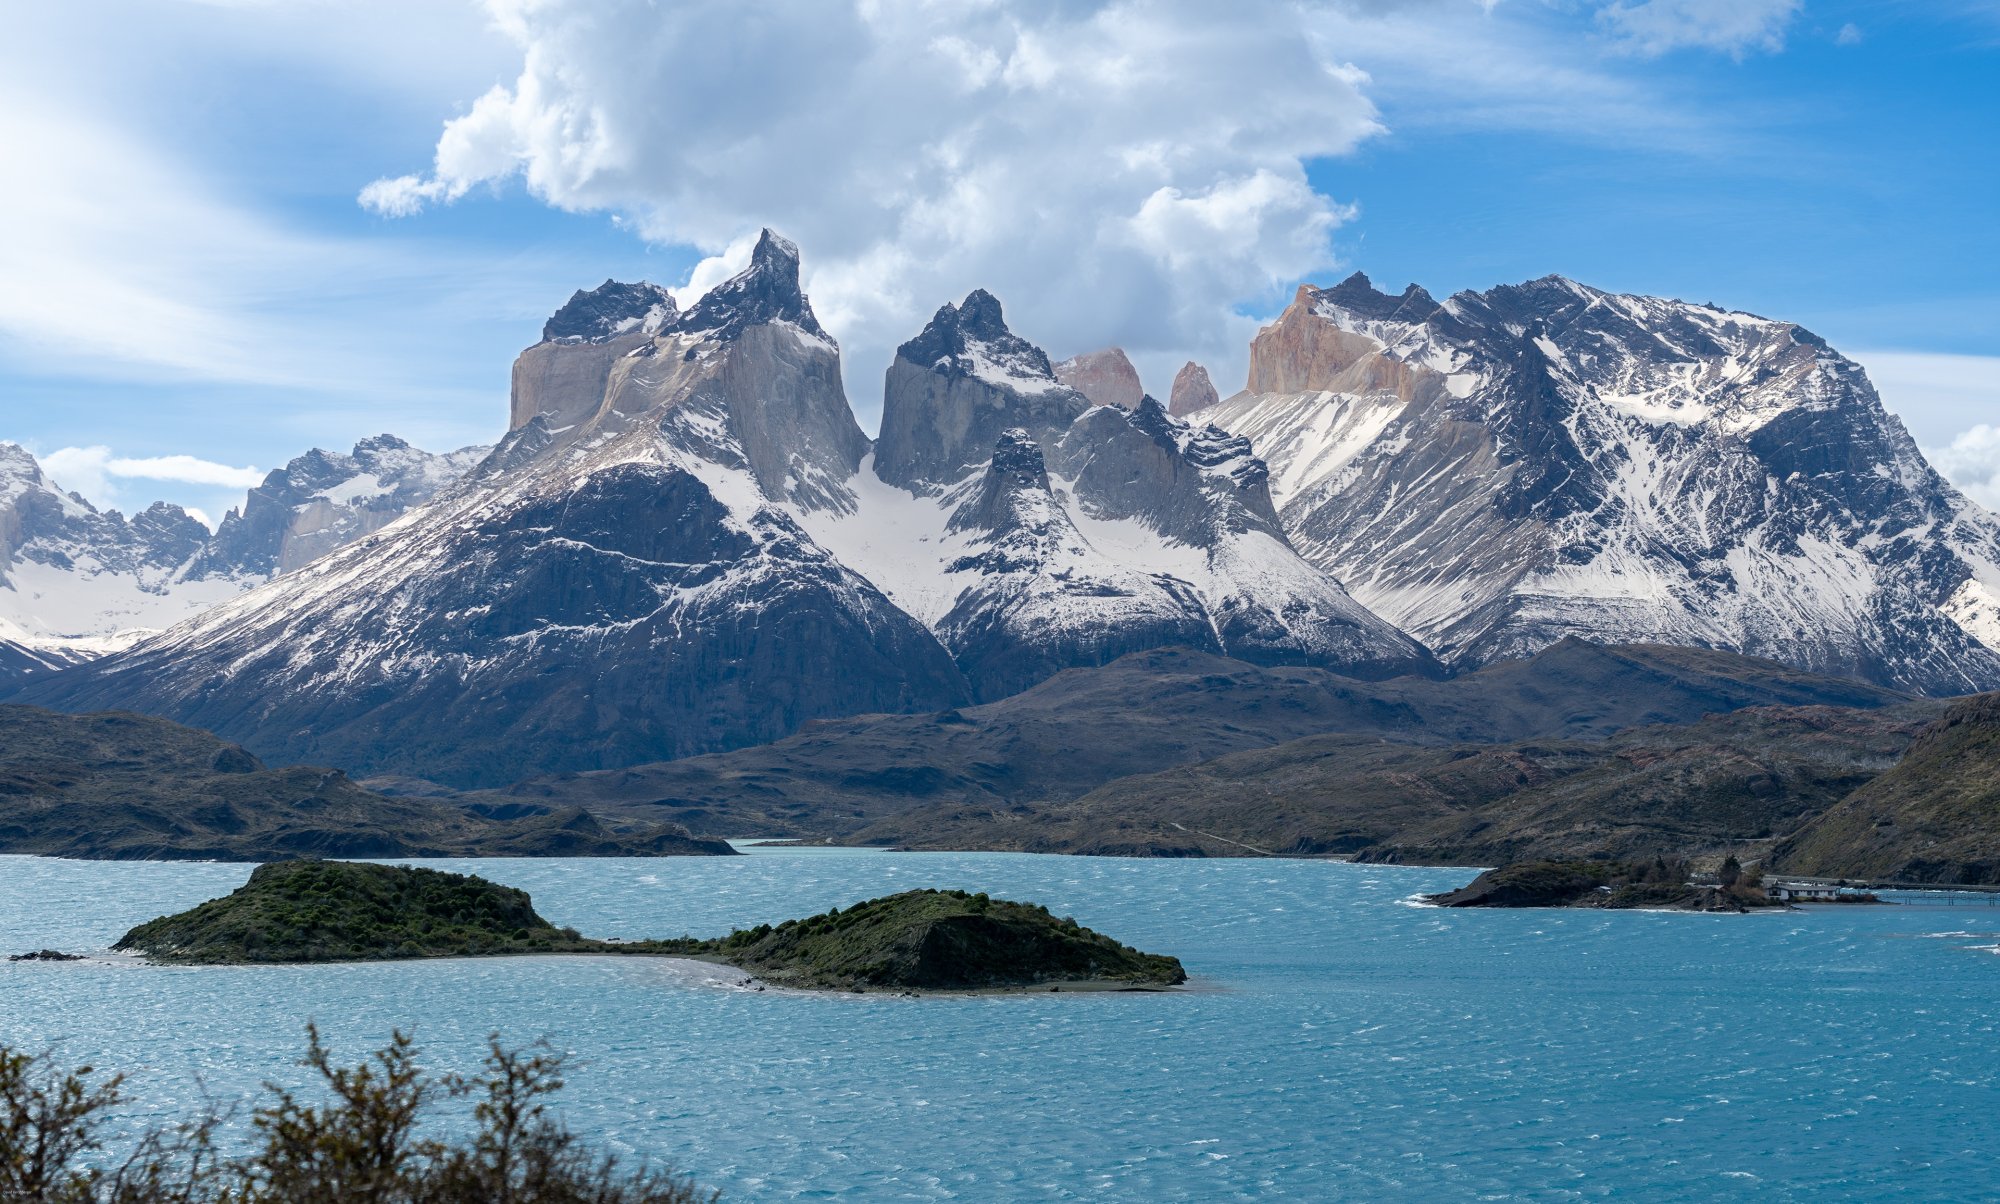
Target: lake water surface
[{"x": 1344, "y": 1044}]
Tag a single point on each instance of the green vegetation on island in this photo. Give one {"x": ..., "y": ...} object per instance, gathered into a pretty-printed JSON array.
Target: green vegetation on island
[
  {"x": 919, "y": 940},
  {"x": 367, "y": 1137},
  {"x": 1612, "y": 885},
  {"x": 940, "y": 940},
  {"x": 322, "y": 911}
]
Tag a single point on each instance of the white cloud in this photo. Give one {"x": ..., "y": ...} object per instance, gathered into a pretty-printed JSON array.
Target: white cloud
[
  {"x": 1735, "y": 27},
  {"x": 121, "y": 263},
  {"x": 1972, "y": 462},
  {"x": 1115, "y": 172},
  {"x": 95, "y": 471},
  {"x": 191, "y": 470}
]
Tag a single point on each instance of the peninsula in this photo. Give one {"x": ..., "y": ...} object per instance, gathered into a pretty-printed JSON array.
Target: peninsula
[{"x": 1612, "y": 885}]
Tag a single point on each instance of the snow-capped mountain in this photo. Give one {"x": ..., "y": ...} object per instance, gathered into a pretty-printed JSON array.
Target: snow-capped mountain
[
  {"x": 686, "y": 544},
  {"x": 1503, "y": 469},
  {"x": 1033, "y": 531},
  {"x": 325, "y": 499},
  {"x": 77, "y": 582},
  {"x": 620, "y": 580}
]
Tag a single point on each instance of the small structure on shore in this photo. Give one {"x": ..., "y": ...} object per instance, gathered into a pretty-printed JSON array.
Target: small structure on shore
[{"x": 1803, "y": 892}]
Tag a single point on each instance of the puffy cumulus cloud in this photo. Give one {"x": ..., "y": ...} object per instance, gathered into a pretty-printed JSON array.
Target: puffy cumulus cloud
[
  {"x": 1971, "y": 461},
  {"x": 1734, "y": 27},
  {"x": 1117, "y": 172}
]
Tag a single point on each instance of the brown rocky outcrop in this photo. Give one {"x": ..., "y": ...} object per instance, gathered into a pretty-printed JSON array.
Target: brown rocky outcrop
[
  {"x": 1303, "y": 352},
  {"x": 1193, "y": 390},
  {"x": 1106, "y": 377}
]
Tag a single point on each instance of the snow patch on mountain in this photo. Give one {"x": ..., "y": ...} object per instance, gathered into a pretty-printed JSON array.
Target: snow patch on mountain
[{"x": 78, "y": 583}]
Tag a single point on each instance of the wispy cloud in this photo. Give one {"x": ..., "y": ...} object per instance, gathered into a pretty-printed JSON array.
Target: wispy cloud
[
  {"x": 102, "y": 475},
  {"x": 1733, "y": 27}
]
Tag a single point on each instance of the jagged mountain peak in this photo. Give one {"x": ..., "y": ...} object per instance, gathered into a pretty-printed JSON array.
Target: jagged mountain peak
[
  {"x": 1358, "y": 295},
  {"x": 1016, "y": 480},
  {"x": 1205, "y": 446},
  {"x": 768, "y": 290},
  {"x": 1018, "y": 459},
  {"x": 377, "y": 444},
  {"x": 1189, "y": 482},
  {"x": 955, "y": 387},
  {"x": 77, "y": 582},
  {"x": 610, "y": 309},
  {"x": 972, "y": 339},
  {"x": 979, "y": 315},
  {"x": 1193, "y": 391},
  {"x": 323, "y": 499},
  {"x": 16, "y": 461}
]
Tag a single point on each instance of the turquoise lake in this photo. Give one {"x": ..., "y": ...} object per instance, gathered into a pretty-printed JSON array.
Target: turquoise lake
[{"x": 1342, "y": 1044}]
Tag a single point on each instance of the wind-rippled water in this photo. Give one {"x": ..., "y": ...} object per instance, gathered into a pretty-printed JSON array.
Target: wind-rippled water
[{"x": 1344, "y": 1045}]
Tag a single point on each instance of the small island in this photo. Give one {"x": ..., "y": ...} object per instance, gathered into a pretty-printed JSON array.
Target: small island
[
  {"x": 941, "y": 940},
  {"x": 916, "y": 941},
  {"x": 1612, "y": 885},
  {"x": 331, "y": 911}
]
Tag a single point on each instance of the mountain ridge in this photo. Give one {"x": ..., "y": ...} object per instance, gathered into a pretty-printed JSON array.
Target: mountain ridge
[{"x": 1616, "y": 467}]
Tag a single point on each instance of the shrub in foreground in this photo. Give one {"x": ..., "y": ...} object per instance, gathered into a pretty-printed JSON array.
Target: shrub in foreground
[{"x": 359, "y": 1141}]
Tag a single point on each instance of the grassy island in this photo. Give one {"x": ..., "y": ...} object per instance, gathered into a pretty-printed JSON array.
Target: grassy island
[
  {"x": 327, "y": 911},
  {"x": 1615, "y": 885},
  {"x": 940, "y": 940},
  {"x": 920, "y": 940}
]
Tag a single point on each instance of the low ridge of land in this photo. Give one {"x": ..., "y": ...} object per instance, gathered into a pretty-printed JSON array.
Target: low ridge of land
[
  {"x": 122, "y": 786},
  {"x": 1933, "y": 817},
  {"x": 1741, "y": 782},
  {"x": 883, "y": 778}
]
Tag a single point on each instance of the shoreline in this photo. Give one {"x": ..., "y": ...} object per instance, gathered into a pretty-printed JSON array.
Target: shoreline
[
  {"x": 748, "y": 982},
  {"x": 783, "y": 843}
]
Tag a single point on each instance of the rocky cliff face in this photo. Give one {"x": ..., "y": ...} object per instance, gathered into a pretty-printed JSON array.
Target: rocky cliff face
[
  {"x": 564, "y": 376},
  {"x": 1034, "y": 532},
  {"x": 955, "y": 388},
  {"x": 1106, "y": 377},
  {"x": 1192, "y": 392},
  {"x": 628, "y": 587},
  {"x": 1504, "y": 469}
]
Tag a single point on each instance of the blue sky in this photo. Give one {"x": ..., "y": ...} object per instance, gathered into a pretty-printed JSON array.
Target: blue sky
[{"x": 190, "y": 272}]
